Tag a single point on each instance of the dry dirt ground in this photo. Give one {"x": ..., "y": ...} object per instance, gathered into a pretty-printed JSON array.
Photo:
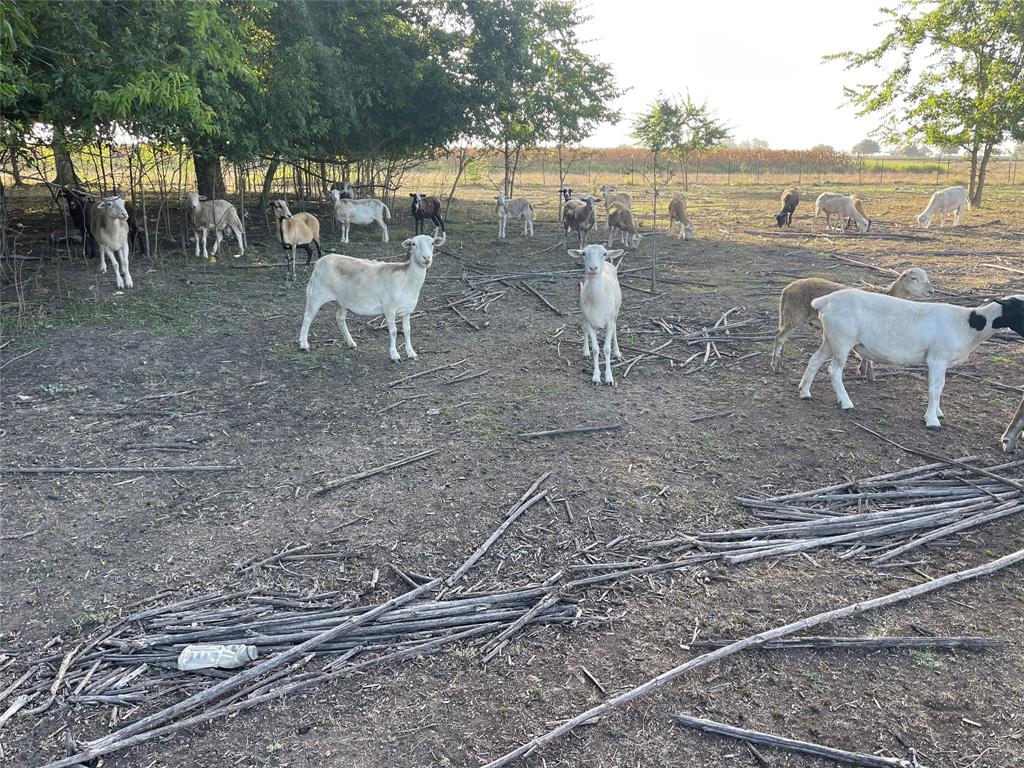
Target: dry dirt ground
[{"x": 205, "y": 354}]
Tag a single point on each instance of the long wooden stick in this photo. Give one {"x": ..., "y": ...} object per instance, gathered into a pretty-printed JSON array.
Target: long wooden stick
[
  {"x": 330, "y": 486},
  {"x": 934, "y": 457},
  {"x": 435, "y": 369},
  {"x": 116, "y": 470},
  {"x": 793, "y": 745},
  {"x": 102, "y": 746},
  {"x": 755, "y": 641},
  {"x": 569, "y": 431},
  {"x": 865, "y": 643}
]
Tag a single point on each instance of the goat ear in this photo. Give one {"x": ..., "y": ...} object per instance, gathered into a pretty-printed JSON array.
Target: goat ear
[
  {"x": 614, "y": 254},
  {"x": 575, "y": 253},
  {"x": 407, "y": 244},
  {"x": 203, "y": 197},
  {"x": 439, "y": 241}
]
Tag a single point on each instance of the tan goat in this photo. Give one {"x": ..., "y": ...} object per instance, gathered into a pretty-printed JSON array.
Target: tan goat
[
  {"x": 677, "y": 215},
  {"x": 294, "y": 230}
]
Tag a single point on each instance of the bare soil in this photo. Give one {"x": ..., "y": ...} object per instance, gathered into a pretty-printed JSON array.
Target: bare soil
[{"x": 206, "y": 354}]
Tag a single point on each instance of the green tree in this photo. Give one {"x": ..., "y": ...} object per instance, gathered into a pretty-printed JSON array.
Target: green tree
[
  {"x": 958, "y": 80},
  {"x": 867, "y": 147},
  {"x": 681, "y": 126}
]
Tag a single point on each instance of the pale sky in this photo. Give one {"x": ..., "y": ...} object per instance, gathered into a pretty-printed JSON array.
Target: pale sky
[{"x": 757, "y": 63}]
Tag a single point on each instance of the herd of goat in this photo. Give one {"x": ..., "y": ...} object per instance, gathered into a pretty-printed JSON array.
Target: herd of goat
[{"x": 887, "y": 326}]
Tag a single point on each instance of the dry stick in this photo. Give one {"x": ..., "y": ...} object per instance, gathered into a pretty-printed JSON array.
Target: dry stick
[
  {"x": 496, "y": 644},
  {"x": 371, "y": 472},
  {"x": 540, "y": 296},
  {"x": 521, "y": 506},
  {"x": 756, "y": 640},
  {"x": 436, "y": 368},
  {"x": 569, "y": 431},
  {"x": 718, "y": 415},
  {"x": 116, "y": 470},
  {"x": 106, "y": 744},
  {"x": 934, "y": 457},
  {"x": 793, "y": 745},
  {"x": 866, "y": 643}
]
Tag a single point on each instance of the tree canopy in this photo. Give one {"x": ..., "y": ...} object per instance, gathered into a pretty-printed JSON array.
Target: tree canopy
[{"x": 958, "y": 77}]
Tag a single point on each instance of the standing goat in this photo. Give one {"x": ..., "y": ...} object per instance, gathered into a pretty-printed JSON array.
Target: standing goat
[
  {"x": 620, "y": 221},
  {"x": 949, "y": 200},
  {"x": 790, "y": 200},
  {"x": 294, "y": 230},
  {"x": 578, "y": 215},
  {"x": 204, "y": 215},
  {"x": 611, "y": 196},
  {"x": 677, "y": 215},
  {"x": 841, "y": 206},
  {"x": 371, "y": 288},
  {"x": 600, "y": 299},
  {"x": 795, "y": 306},
  {"x": 885, "y": 329},
  {"x": 348, "y": 212},
  {"x": 1013, "y": 430},
  {"x": 513, "y": 208},
  {"x": 79, "y": 202},
  {"x": 108, "y": 224},
  {"x": 424, "y": 208}
]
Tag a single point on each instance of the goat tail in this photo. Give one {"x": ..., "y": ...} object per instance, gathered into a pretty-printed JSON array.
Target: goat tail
[
  {"x": 970, "y": 205},
  {"x": 387, "y": 212}
]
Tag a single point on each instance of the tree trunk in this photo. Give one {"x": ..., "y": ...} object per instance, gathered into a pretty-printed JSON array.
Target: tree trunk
[
  {"x": 972, "y": 184},
  {"x": 507, "y": 158},
  {"x": 66, "y": 176},
  {"x": 15, "y": 170},
  {"x": 268, "y": 181},
  {"x": 209, "y": 176},
  {"x": 982, "y": 170}
]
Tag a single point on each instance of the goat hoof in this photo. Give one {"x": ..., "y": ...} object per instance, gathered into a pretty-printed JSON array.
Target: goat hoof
[
  {"x": 412, "y": 355},
  {"x": 805, "y": 397},
  {"x": 934, "y": 427}
]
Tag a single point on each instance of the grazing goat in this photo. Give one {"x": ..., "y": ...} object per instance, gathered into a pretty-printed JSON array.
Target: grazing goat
[
  {"x": 426, "y": 208},
  {"x": 795, "y": 306},
  {"x": 218, "y": 215},
  {"x": 512, "y": 208},
  {"x": 843, "y": 207},
  {"x": 600, "y": 299},
  {"x": 677, "y": 214},
  {"x": 108, "y": 224},
  {"x": 890, "y": 330},
  {"x": 620, "y": 220},
  {"x": 348, "y": 212},
  {"x": 1013, "y": 430},
  {"x": 79, "y": 202},
  {"x": 949, "y": 200},
  {"x": 611, "y": 196},
  {"x": 294, "y": 230},
  {"x": 578, "y": 215},
  {"x": 370, "y": 288},
  {"x": 790, "y": 200}
]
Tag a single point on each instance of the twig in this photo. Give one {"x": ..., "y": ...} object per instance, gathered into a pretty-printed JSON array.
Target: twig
[
  {"x": 116, "y": 470},
  {"x": 802, "y": 747},
  {"x": 866, "y": 643},
  {"x": 330, "y": 486},
  {"x": 569, "y": 431},
  {"x": 755, "y": 641},
  {"x": 718, "y": 415},
  {"x": 13, "y": 359},
  {"x": 436, "y": 368}
]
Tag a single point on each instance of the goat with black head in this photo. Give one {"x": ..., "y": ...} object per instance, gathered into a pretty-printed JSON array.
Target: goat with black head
[{"x": 424, "y": 208}]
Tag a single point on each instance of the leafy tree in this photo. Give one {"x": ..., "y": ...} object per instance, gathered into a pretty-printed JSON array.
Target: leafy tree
[
  {"x": 681, "y": 126},
  {"x": 823, "y": 148},
  {"x": 867, "y": 147},
  {"x": 959, "y": 79}
]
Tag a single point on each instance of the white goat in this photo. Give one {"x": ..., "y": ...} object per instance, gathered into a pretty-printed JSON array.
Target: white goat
[
  {"x": 949, "y": 200},
  {"x": 841, "y": 206},
  {"x": 108, "y": 224},
  {"x": 885, "y": 329},
  {"x": 348, "y": 212},
  {"x": 1013, "y": 430},
  {"x": 370, "y": 288},
  {"x": 217, "y": 215},
  {"x": 600, "y": 299},
  {"x": 514, "y": 208},
  {"x": 620, "y": 221}
]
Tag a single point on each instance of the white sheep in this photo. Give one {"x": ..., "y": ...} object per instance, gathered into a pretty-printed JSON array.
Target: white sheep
[
  {"x": 514, "y": 208},
  {"x": 600, "y": 299},
  {"x": 795, "y": 306},
  {"x": 1013, "y": 430},
  {"x": 620, "y": 221},
  {"x": 949, "y": 200},
  {"x": 677, "y": 215},
  {"x": 348, "y": 212},
  {"x": 885, "y": 329},
  {"x": 370, "y": 288},
  {"x": 216, "y": 215},
  {"x": 108, "y": 224},
  {"x": 843, "y": 207}
]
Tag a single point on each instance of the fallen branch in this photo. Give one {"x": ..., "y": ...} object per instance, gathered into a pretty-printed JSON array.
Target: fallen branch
[
  {"x": 755, "y": 641},
  {"x": 117, "y": 470},
  {"x": 802, "y": 747},
  {"x": 330, "y": 486},
  {"x": 865, "y": 643},
  {"x": 435, "y": 369},
  {"x": 569, "y": 431}
]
